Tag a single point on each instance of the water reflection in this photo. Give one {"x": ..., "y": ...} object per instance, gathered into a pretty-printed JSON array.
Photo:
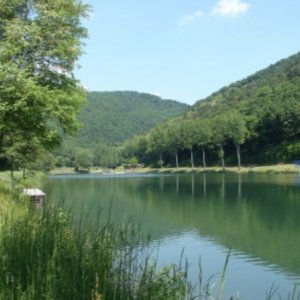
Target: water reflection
[
  {"x": 246, "y": 276},
  {"x": 239, "y": 186},
  {"x": 255, "y": 215},
  {"x": 204, "y": 186}
]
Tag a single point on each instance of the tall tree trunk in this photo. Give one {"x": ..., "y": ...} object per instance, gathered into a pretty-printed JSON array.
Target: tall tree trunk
[
  {"x": 161, "y": 162},
  {"x": 192, "y": 159},
  {"x": 1, "y": 140},
  {"x": 176, "y": 159},
  {"x": 12, "y": 174},
  {"x": 203, "y": 157},
  {"x": 238, "y": 153},
  {"x": 222, "y": 157}
]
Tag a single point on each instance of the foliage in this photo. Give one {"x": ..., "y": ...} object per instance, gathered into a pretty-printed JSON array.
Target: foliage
[
  {"x": 269, "y": 103},
  {"x": 40, "y": 42},
  {"x": 107, "y": 156},
  {"x": 110, "y": 118},
  {"x": 257, "y": 118},
  {"x": 83, "y": 159}
]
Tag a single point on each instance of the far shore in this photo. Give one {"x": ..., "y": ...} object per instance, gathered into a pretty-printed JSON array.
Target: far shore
[{"x": 272, "y": 169}]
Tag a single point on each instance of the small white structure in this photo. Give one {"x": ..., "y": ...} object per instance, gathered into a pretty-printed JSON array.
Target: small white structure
[{"x": 35, "y": 194}]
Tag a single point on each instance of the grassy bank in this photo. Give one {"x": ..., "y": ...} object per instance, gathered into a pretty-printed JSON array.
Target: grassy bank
[
  {"x": 31, "y": 179},
  {"x": 272, "y": 169}
]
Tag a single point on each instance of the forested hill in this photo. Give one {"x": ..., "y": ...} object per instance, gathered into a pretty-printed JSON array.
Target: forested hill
[
  {"x": 112, "y": 117},
  {"x": 266, "y": 88},
  {"x": 269, "y": 102},
  {"x": 254, "y": 121}
]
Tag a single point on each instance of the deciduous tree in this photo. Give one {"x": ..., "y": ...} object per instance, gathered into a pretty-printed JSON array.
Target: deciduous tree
[
  {"x": 83, "y": 159},
  {"x": 203, "y": 136},
  {"x": 40, "y": 42},
  {"x": 237, "y": 131}
]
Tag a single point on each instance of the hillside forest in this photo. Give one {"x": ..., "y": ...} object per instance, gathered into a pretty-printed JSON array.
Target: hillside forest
[
  {"x": 108, "y": 119},
  {"x": 253, "y": 121}
]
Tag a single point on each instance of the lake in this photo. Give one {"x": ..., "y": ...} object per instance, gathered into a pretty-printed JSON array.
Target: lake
[{"x": 204, "y": 215}]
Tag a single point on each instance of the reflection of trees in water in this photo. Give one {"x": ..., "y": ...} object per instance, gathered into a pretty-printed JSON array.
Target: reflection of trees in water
[
  {"x": 223, "y": 187},
  {"x": 265, "y": 224},
  {"x": 161, "y": 181},
  {"x": 193, "y": 184},
  {"x": 239, "y": 186},
  {"x": 204, "y": 185}
]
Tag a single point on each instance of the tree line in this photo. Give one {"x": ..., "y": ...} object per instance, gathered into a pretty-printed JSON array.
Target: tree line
[
  {"x": 187, "y": 135},
  {"x": 256, "y": 120}
]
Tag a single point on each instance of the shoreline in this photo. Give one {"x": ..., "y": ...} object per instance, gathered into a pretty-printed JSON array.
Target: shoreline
[{"x": 268, "y": 169}]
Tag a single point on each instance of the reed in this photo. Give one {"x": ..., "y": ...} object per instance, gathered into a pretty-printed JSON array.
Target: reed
[{"x": 47, "y": 255}]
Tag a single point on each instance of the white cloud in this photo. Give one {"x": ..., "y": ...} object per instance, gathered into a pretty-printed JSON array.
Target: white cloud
[
  {"x": 191, "y": 17},
  {"x": 226, "y": 8},
  {"x": 230, "y": 7}
]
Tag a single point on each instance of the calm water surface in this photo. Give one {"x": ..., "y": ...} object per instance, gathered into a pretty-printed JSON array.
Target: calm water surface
[{"x": 257, "y": 216}]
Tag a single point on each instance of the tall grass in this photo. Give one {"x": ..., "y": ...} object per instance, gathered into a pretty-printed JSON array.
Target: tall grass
[{"x": 46, "y": 256}]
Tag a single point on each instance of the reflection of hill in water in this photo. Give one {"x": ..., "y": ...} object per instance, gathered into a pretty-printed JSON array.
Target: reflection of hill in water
[{"x": 257, "y": 215}]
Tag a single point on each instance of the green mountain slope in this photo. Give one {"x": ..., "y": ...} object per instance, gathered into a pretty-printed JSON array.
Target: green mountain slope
[
  {"x": 279, "y": 82},
  {"x": 113, "y": 117},
  {"x": 270, "y": 103},
  {"x": 257, "y": 118}
]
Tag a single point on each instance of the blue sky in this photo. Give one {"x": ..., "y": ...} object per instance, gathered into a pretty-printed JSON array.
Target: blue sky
[{"x": 184, "y": 49}]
